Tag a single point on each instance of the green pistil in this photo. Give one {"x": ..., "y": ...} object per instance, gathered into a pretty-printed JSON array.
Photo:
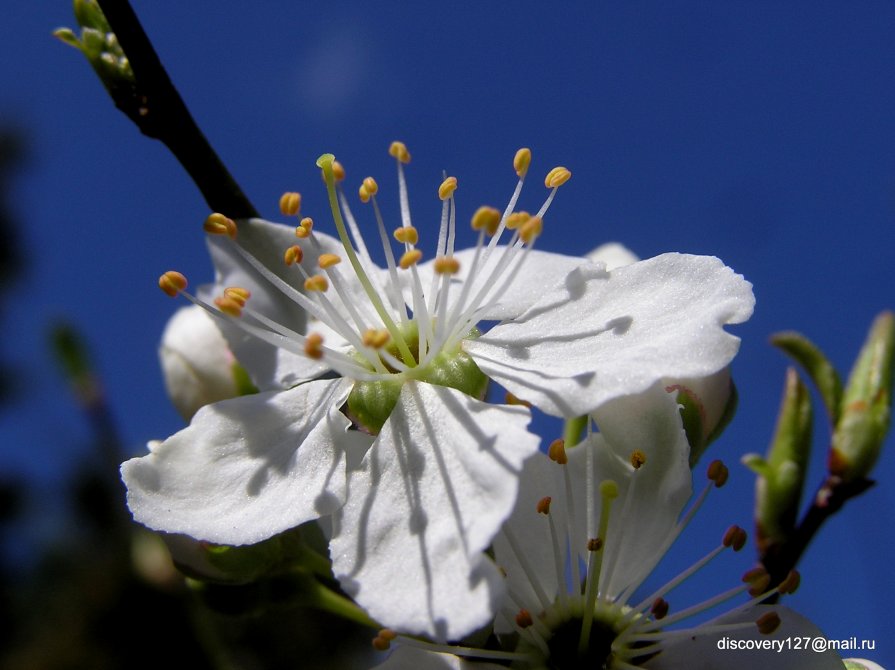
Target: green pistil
[
  {"x": 325, "y": 162},
  {"x": 608, "y": 493}
]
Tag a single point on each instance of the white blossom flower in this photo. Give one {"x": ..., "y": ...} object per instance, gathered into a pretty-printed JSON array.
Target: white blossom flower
[
  {"x": 616, "y": 501},
  {"x": 434, "y": 469}
]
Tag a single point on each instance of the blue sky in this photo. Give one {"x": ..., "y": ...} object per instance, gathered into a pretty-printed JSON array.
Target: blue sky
[{"x": 759, "y": 132}]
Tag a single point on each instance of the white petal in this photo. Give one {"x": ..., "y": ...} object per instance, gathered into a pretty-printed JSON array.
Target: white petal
[
  {"x": 702, "y": 651},
  {"x": 414, "y": 658},
  {"x": 267, "y": 242},
  {"x": 430, "y": 496},
  {"x": 613, "y": 255},
  {"x": 650, "y": 499},
  {"x": 541, "y": 270},
  {"x": 246, "y": 469},
  {"x": 602, "y": 335}
]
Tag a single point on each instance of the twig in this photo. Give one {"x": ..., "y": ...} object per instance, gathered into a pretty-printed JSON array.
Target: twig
[{"x": 159, "y": 112}]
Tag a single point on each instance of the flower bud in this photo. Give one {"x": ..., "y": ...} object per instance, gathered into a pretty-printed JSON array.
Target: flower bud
[
  {"x": 866, "y": 405},
  {"x": 196, "y": 362},
  {"x": 781, "y": 474}
]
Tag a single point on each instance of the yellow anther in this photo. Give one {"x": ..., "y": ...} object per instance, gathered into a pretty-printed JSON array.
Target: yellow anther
[
  {"x": 407, "y": 235},
  {"x": 594, "y": 544},
  {"x": 447, "y": 265},
  {"x": 314, "y": 346},
  {"x": 229, "y": 306},
  {"x": 486, "y": 218},
  {"x": 608, "y": 489},
  {"x": 172, "y": 283},
  {"x": 380, "y": 643},
  {"x": 523, "y": 618},
  {"x": 307, "y": 222},
  {"x": 409, "y": 258},
  {"x": 376, "y": 338},
  {"x": 791, "y": 583},
  {"x": 328, "y": 260},
  {"x": 218, "y": 224},
  {"x": 516, "y": 219},
  {"x": 303, "y": 231},
  {"x": 531, "y": 229},
  {"x": 510, "y": 399},
  {"x": 718, "y": 473},
  {"x": 338, "y": 172},
  {"x": 544, "y": 505},
  {"x": 238, "y": 294},
  {"x": 768, "y": 623},
  {"x": 557, "y": 177},
  {"x": 290, "y": 203},
  {"x": 388, "y": 634},
  {"x": 758, "y": 579},
  {"x": 399, "y": 150},
  {"x": 294, "y": 254},
  {"x": 557, "y": 452},
  {"x": 660, "y": 608},
  {"x": 521, "y": 161},
  {"x": 447, "y": 188},
  {"x": 734, "y": 537},
  {"x": 316, "y": 283},
  {"x": 638, "y": 458},
  {"x": 371, "y": 186},
  {"x": 363, "y": 194}
]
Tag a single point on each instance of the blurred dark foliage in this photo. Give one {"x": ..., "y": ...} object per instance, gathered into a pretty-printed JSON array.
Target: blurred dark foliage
[{"x": 12, "y": 155}]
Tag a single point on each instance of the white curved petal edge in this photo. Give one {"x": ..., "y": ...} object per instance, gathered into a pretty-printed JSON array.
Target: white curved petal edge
[
  {"x": 747, "y": 649},
  {"x": 540, "y": 270},
  {"x": 246, "y": 469},
  {"x": 414, "y": 658},
  {"x": 613, "y": 255},
  {"x": 651, "y": 498},
  {"x": 266, "y": 241},
  {"x": 196, "y": 363},
  {"x": 861, "y": 664},
  {"x": 430, "y": 495},
  {"x": 598, "y": 335}
]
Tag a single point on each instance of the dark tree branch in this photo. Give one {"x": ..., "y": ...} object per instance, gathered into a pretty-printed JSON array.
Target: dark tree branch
[{"x": 157, "y": 109}]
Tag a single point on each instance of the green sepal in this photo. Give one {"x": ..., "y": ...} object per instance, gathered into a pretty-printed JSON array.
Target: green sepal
[
  {"x": 781, "y": 473},
  {"x": 816, "y": 365},
  {"x": 242, "y": 380},
  {"x": 866, "y": 405}
]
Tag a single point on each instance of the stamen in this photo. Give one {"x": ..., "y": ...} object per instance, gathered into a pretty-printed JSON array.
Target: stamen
[
  {"x": 447, "y": 265},
  {"x": 314, "y": 346},
  {"x": 557, "y": 177},
  {"x": 768, "y": 622},
  {"x": 790, "y": 584},
  {"x": 608, "y": 493},
  {"x": 659, "y": 610},
  {"x": 523, "y": 619},
  {"x": 376, "y": 338},
  {"x": 638, "y": 458},
  {"x": 238, "y": 294},
  {"x": 363, "y": 194},
  {"x": 293, "y": 254},
  {"x": 487, "y": 219},
  {"x": 734, "y": 537},
  {"x": 172, "y": 283},
  {"x": 328, "y": 260},
  {"x": 516, "y": 219},
  {"x": 557, "y": 452},
  {"x": 531, "y": 229},
  {"x": 304, "y": 228},
  {"x": 510, "y": 399},
  {"x": 406, "y": 235},
  {"x": 399, "y": 151},
  {"x": 370, "y": 186},
  {"x": 316, "y": 283},
  {"x": 718, "y": 473},
  {"x": 447, "y": 188},
  {"x": 218, "y": 224},
  {"x": 543, "y": 506},
  {"x": 290, "y": 203},
  {"x": 338, "y": 172},
  {"x": 410, "y": 258},
  {"x": 229, "y": 306},
  {"x": 758, "y": 580},
  {"x": 521, "y": 161}
]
